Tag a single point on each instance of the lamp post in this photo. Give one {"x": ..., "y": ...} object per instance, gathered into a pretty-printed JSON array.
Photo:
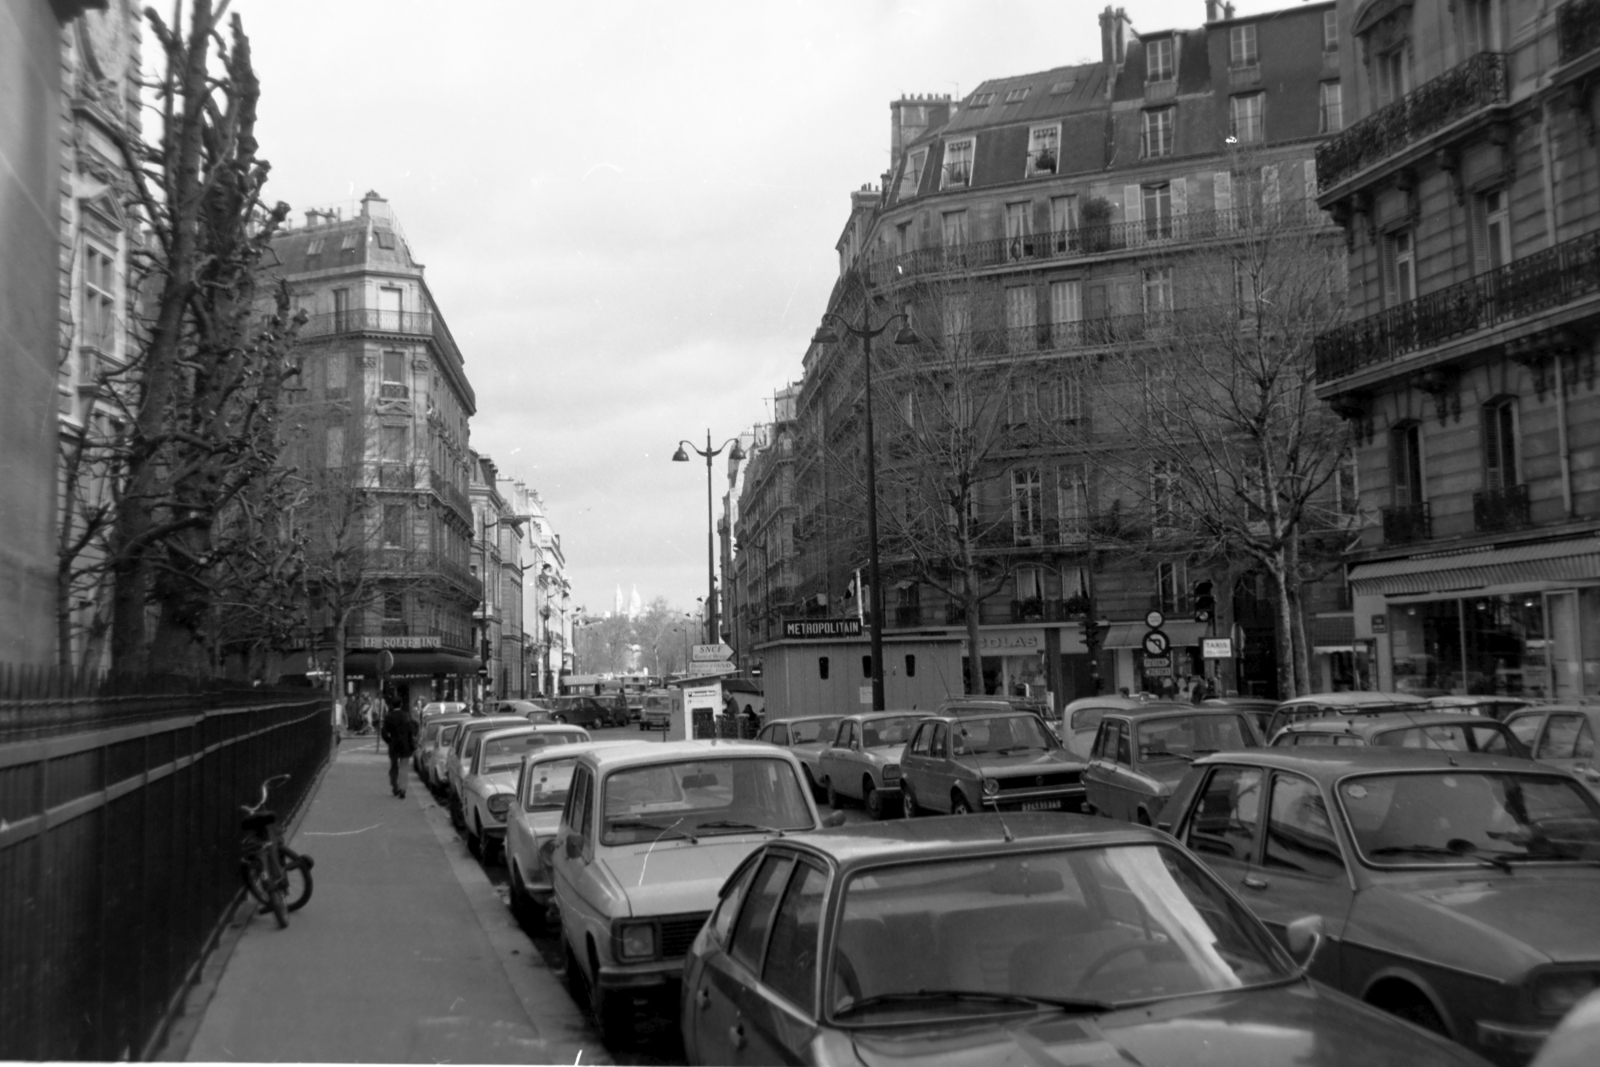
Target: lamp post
[
  {"x": 709, "y": 453},
  {"x": 866, "y": 332}
]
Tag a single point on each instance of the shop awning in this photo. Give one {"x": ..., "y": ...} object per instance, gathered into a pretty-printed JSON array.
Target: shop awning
[
  {"x": 1546, "y": 561},
  {"x": 411, "y": 664},
  {"x": 1184, "y": 633}
]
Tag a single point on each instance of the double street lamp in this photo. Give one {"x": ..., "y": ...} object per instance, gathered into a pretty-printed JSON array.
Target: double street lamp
[
  {"x": 825, "y": 335},
  {"x": 709, "y": 453}
]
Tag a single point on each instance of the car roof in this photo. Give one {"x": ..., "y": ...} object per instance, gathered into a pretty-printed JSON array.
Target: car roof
[
  {"x": 1328, "y": 762},
  {"x": 1257, "y": 703},
  {"x": 450, "y": 717},
  {"x": 1353, "y": 698},
  {"x": 979, "y": 834},
  {"x": 1162, "y": 711},
  {"x": 874, "y": 716},
  {"x": 644, "y": 753},
  {"x": 804, "y": 718},
  {"x": 1121, "y": 703},
  {"x": 1541, "y": 709},
  {"x": 1385, "y": 722},
  {"x": 578, "y": 748},
  {"x": 1000, "y": 712},
  {"x": 495, "y": 721},
  {"x": 514, "y": 731}
]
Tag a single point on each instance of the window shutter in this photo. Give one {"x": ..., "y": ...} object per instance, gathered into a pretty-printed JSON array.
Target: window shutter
[
  {"x": 1480, "y": 234},
  {"x": 1133, "y": 212},
  {"x": 1180, "y": 197},
  {"x": 1222, "y": 199},
  {"x": 1269, "y": 191}
]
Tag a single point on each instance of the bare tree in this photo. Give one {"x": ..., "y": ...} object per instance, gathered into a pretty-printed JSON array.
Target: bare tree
[
  {"x": 201, "y": 395},
  {"x": 1223, "y": 443}
]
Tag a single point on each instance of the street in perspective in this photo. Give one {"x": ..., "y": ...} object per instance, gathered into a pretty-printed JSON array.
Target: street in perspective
[{"x": 1142, "y": 606}]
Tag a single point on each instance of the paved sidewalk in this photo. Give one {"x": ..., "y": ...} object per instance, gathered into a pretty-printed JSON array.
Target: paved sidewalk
[{"x": 404, "y": 954}]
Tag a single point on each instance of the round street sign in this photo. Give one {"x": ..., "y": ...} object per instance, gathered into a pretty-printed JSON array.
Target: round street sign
[
  {"x": 1154, "y": 620},
  {"x": 1156, "y": 643}
]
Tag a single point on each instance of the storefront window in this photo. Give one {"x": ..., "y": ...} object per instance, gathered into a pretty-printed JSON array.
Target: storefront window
[
  {"x": 1427, "y": 647},
  {"x": 1505, "y": 645},
  {"x": 1589, "y": 639}
]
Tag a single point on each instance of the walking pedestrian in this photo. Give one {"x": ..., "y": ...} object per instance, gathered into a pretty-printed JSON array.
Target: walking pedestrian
[{"x": 400, "y": 733}]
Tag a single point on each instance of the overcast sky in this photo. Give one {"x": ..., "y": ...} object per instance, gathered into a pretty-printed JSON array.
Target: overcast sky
[{"x": 627, "y": 210}]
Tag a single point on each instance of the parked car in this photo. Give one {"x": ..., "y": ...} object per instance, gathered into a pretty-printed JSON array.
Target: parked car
[
  {"x": 462, "y": 748},
  {"x": 1039, "y": 939},
  {"x": 437, "y": 733},
  {"x": 1140, "y": 755},
  {"x": 648, "y": 835},
  {"x": 1328, "y": 705},
  {"x": 1080, "y": 719},
  {"x": 656, "y": 714},
  {"x": 1455, "y": 733},
  {"x": 589, "y": 712},
  {"x": 989, "y": 705},
  {"x": 1493, "y": 705},
  {"x": 1005, "y": 760},
  {"x": 490, "y": 780},
  {"x": 444, "y": 707},
  {"x": 806, "y": 736},
  {"x": 1259, "y": 709},
  {"x": 1457, "y": 889},
  {"x": 1574, "y": 1042},
  {"x": 532, "y": 710},
  {"x": 1561, "y": 735},
  {"x": 863, "y": 760}
]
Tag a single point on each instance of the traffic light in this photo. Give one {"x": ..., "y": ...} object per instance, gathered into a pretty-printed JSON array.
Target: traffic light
[
  {"x": 1091, "y": 632},
  {"x": 1205, "y": 602}
]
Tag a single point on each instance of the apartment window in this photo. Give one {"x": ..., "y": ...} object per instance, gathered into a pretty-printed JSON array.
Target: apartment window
[
  {"x": 1155, "y": 138},
  {"x": 982, "y": 100},
  {"x": 1491, "y": 231},
  {"x": 911, "y": 177},
  {"x": 394, "y": 525},
  {"x": 1170, "y": 587},
  {"x": 1022, "y": 403},
  {"x": 315, "y": 247},
  {"x": 955, "y": 229},
  {"x": 1044, "y": 143},
  {"x": 1399, "y": 268},
  {"x": 1244, "y": 289},
  {"x": 1499, "y": 420},
  {"x": 394, "y": 606},
  {"x": 99, "y": 301},
  {"x": 1158, "y": 291},
  {"x": 1330, "y": 106},
  {"x": 1027, "y": 502},
  {"x": 334, "y": 450},
  {"x": 1477, "y": 25},
  {"x": 1158, "y": 60},
  {"x": 1405, "y": 463},
  {"x": 393, "y": 442},
  {"x": 902, "y": 238},
  {"x": 1072, "y": 500},
  {"x": 1030, "y": 583},
  {"x": 1069, "y": 396},
  {"x": 385, "y": 238},
  {"x": 337, "y": 385},
  {"x": 1016, "y": 96},
  {"x": 341, "y": 309},
  {"x": 1157, "y": 210},
  {"x": 349, "y": 241},
  {"x": 1021, "y": 307},
  {"x": 1063, "y": 214},
  {"x": 1330, "y": 31},
  {"x": 1392, "y": 76},
  {"x": 1066, "y": 311},
  {"x": 957, "y": 164},
  {"x": 957, "y": 317},
  {"x": 1242, "y": 46},
  {"x": 1245, "y": 117},
  {"x": 1019, "y": 230}
]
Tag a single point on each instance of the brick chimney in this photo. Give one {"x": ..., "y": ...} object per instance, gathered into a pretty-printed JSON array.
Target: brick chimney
[
  {"x": 1211, "y": 10},
  {"x": 912, "y": 116},
  {"x": 374, "y": 206},
  {"x": 1114, "y": 27}
]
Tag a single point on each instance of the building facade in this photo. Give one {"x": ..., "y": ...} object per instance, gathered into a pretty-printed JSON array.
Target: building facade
[
  {"x": 381, "y": 428},
  {"x": 762, "y": 573},
  {"x": 1044, "y": 224},
  {"x": 1468, "y": 186}
]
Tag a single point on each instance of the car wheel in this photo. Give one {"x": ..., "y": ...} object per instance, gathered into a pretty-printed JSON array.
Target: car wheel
[
  {"x": 561, "y": 718},
  {"x": 872, "y": 800},
  {"x": 959, "y": 805},
  {"x": 524, "y": 909},
  {"x": 475, "y": 843},
  {"x": 573, "y": 979},
  {"x": 835, "y": 801},
  {"x": 612, "y": 1010},
  {"x": 908, "y": 802}
]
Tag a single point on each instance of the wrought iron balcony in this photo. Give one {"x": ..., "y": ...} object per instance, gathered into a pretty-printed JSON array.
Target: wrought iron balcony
[
  {"x": 396, "y": 476},
  {"x": 1577, "y": 28},
  {"x": 908, "y": 615},
  {"x": 1501, "y": 509},
  {"x": 368, "y": 320},
  {"x": 1031, "y": 610},
  {"x": 1403, "y": 523},
  {"x": 1455, "y": 94},
  {"x": 450, "y": 493},
  {"x": 1533, "y": 283}
]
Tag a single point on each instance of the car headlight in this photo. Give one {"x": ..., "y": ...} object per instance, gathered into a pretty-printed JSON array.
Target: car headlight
[
  {"x": 1555, "y": 994},
  {"x": 891, "y": 772},
  {"x": 990, "y": 787},
  {"x": 499, "y": 804},
  {"x": 636, "y": 940}
]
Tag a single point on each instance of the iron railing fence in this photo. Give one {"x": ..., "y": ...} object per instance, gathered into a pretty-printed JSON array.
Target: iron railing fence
[
  {"x": 119, "y": 845},
  {"x": 1404, "y": 523},
  {"x": 1558, "y": 275},
  {"x": 1460, "y": 91}
]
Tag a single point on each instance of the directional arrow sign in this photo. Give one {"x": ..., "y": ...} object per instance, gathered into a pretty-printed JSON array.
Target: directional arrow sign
[
  {"x": 720, "y": 650},
  {"x": 698, "y": 668}
]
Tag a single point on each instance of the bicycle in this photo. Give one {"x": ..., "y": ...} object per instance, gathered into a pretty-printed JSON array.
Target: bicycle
[{"x": 278, "y": 877}]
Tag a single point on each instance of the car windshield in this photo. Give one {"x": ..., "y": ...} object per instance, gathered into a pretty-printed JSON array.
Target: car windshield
[
  {"x": 1454, "y": 737},
  {"x": 1102, "y": 925},
  {"x": 880, "y": 733},
  {"x": 1183, "y": 737},
  {"x": 447, "y": 733},
  {"x": 505, "y": 753},
  {"x": 1456, "y": 816},
  {"x": 810, "y": 731},
  {"x": 1001, "y": 735},
  {"x": 547, "y": 783},
  {"x": 699, "y": 797}
]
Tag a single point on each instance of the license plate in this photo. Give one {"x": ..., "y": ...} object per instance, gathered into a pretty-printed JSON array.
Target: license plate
[{"x": 1040, "y": 805}]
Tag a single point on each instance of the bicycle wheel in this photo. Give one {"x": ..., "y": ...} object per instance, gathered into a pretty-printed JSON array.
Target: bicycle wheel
[
  {"x": 254, "y": 875},
  {"x": 297, "y": 874},
  {"x": 275, "y": 885}
]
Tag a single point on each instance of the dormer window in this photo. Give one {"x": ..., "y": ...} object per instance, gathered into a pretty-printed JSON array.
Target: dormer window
[
  {"x": 1063, "y": 87},
  {"x": 982, "y": 100},
  {"x": 1016, "y": 96},
  {"x": 349, "y": 242},
  {"x": 315, "y": 247},
  {"x": 385, "y": 238},
  {"x": 1158, "y": 60},
  {"x": 1242, "y": 46},
  {"x": 911, "y": 176},
  {"x": 957, "y": 164},
  {"x": 1043, "y": 150}
]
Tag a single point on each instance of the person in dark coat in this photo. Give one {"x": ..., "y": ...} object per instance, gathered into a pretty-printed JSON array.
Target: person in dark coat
[{"x": 400, "y": 734}]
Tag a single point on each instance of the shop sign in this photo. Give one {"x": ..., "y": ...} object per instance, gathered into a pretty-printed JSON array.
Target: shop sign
[
  {"x": 1380, "y": 624},
  {"x": 821, "y": 629},
  {"x": 428, "y": 641},
  {"x": 1023, "y": 642},
  {"x": 1216, "y": 648}
]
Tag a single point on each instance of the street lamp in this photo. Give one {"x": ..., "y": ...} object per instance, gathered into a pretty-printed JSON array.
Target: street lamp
[
  {"x": 866, "y": 332},
  {"x": 734, "y": 456}
]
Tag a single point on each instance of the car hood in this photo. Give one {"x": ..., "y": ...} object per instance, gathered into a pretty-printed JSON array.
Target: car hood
[
  {"x": 1023, "y": 763},
  {"x": 1297, "y": 1024},
  {"x": 1547, "y": 910},
  {"x": 674, "y": 875},
  {"x": 489, "y": 784}
]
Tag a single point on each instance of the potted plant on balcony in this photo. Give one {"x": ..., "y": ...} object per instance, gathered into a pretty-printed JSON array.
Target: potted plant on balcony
[{"x": 1044, "y": 161}]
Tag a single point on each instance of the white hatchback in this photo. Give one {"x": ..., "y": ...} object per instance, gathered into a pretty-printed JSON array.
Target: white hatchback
[{"x": 489, "y": 782}]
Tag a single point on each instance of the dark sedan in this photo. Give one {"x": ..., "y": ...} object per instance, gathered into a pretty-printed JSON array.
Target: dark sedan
[{"x": 1015, "y": 939}]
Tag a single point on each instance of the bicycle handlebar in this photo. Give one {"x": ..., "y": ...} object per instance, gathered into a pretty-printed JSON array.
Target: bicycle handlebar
[{"x": 266, "y": 787}]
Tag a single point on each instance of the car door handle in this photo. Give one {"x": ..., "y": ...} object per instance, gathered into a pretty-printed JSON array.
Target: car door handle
[
  {"x": 1252, "y": 882},
  {"x": 736, "y": 1035}
]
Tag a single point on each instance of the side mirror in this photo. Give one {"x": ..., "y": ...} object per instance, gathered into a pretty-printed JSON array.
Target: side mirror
[
  {"x": 833, "y": 821},
  {"x": 1303, "y": 937},
  {"x": 574, "y": 846}
]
